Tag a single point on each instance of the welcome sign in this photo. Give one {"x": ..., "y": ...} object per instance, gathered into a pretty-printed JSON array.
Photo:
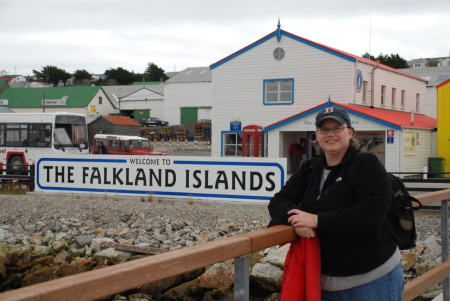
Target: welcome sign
[{"x": 200, "y": 177}]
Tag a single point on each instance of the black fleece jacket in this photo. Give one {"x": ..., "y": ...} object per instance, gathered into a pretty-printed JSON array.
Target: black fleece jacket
[{"x": 351, "y": 210}]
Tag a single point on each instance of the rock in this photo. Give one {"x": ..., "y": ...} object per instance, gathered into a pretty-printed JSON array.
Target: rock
[
  {"x": 218, "y": 275},
  {"x": 408, "y": 260},
  {"x": 204, "y": 238},
  {"x": 40, "y": 251},
  {"x": 222, "y": 294},
  {"x": 83, "y": 240},
  {"x": 3, "y": 271},
  {"x": 48, "y": 238},
  {"x": 59, "y": 245},
  {"x": 267, "y": 274},
  {"x": 434, "y": 246},
  {"x": 74, "y": 251},
  {"x": 61, "y": 257},
  {"x": 188, "y": 221},
  {"x": 36, "y": 239},
  {"x": 53, "y": 272},
  {"x": 95, "y": 243},
  {"x": 43, "y": 261},
  {"x": 157, "y": 235},
  {"x": 183, "y": 292},
  {"x": 424, "y": 267},
  {"x": 111, "y": 255},
  {"x": 276, "y": 256},
  {"x": 161, "y": 285}
]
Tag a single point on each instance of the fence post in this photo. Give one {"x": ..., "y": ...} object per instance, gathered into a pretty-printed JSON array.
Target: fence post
[
  {"x": 444, "y": 246},
  {"x": 32, "y": 177},
  {"x": 241, "y": 279}
]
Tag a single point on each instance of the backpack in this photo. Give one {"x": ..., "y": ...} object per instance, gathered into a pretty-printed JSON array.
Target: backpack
[{"x": 400, "y": 219}]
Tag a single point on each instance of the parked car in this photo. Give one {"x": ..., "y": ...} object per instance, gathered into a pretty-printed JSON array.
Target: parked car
[
  {"x": 125, "y": 145},
  {"x": 152, "y": 121}
]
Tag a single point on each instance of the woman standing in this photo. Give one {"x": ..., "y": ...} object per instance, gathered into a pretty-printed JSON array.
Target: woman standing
[{"x": 345, "y": 195}]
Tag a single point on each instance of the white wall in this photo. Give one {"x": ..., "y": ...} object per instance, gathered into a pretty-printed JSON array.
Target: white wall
[
  {"x": 178, "y": 95},
  {"x": 238, "y": 84},
  {"x": 391, "y": 80},
  {"x": 431, "y": 99}
]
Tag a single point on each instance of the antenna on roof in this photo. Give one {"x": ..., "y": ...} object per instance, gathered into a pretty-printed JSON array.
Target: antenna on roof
[{"x": 370, "y": 26}]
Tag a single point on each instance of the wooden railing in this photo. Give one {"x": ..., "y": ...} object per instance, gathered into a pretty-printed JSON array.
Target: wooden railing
[{"x": 119, "y": 278}]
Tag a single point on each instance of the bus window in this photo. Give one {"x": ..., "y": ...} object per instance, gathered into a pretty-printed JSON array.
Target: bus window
[
  {"x": 37, "y": 135},
  {"x": 62, "y": 138},
  {"x": 75, "y": 129},
  {"x": 16, "y": 135}
]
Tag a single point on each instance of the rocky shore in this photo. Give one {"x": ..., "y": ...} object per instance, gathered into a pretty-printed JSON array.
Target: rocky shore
[{"x": 43, "y": 237}]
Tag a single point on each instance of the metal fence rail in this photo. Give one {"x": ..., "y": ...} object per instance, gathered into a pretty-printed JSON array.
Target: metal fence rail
[
  {"x": 19, "y": 174},
  {"x": 119, "y": 278}
]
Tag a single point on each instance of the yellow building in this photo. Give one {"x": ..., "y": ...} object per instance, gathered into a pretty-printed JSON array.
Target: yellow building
[{"x": 443, "y": 123}]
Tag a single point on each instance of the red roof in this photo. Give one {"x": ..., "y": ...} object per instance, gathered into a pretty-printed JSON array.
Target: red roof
[
  {"x": 443, "y": 83},
  {"x": 397, "y": 118},
  {"x": 121, "y": 120},
  {"x": 394, "y": 119},
  {"x": 7, "y": 78}
]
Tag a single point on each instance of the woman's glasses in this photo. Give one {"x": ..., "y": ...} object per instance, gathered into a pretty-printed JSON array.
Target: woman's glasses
[{"x": 334, "y": 130}]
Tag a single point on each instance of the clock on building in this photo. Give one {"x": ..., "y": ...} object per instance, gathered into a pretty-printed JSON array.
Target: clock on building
[{"x": 359, "y": 80}]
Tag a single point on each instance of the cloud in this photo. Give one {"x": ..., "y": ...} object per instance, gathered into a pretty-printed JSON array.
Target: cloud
[{"x": 176, "y": 34}]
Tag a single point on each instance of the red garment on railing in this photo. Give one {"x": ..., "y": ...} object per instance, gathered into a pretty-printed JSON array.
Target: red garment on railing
[{"x": 301, "y": 274}]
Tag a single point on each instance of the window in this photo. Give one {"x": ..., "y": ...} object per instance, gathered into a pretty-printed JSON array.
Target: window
[
  {"x": 232, "y": 144},
  {"x": 417, "y": 102},
  {"x": 365, "y": 92},
  {"x": 16, "y": 135},
  {"x": 403, "y": 100},
  {"x": 114, "y": 144},
  {"x": 383, "y": 96},
  {"x": 39, "y": 135},
  {"x": 278, "y": 91},
  {"x": 124, "y": 145},
  {"x": 278, "y": 53},
  {"x": 394, "y": 92},
  {"x": 100, "y": 100}
]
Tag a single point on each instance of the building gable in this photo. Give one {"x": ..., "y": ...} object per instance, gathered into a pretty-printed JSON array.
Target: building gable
[{"x": 142, "y": 94}]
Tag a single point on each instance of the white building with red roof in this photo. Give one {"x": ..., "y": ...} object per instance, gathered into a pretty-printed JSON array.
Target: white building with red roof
[{"x": 279, "y": 82}]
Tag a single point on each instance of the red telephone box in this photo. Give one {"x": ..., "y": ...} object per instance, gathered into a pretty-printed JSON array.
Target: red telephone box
[{"x": 253, "y": 141}]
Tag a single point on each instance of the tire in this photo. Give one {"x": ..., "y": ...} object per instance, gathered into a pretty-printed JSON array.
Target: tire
[{"x": 16, "y": 161}]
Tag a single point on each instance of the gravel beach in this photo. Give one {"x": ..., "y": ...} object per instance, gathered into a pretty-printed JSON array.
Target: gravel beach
[{"x": 78, "y": 214}]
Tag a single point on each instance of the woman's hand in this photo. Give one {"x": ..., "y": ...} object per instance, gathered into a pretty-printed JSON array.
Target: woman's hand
[
  {"x": 303, "y": 222},
  {"x": 305, "y": 232}
]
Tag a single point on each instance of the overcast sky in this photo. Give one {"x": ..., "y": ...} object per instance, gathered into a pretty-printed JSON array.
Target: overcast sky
[{"x": 176, "y": 34}]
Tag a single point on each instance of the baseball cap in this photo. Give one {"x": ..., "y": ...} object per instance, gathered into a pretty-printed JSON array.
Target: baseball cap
[{"x": 337, "y": 113}]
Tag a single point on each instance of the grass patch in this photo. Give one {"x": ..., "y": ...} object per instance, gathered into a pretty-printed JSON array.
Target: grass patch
[{"x": 14, "y": 190}]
